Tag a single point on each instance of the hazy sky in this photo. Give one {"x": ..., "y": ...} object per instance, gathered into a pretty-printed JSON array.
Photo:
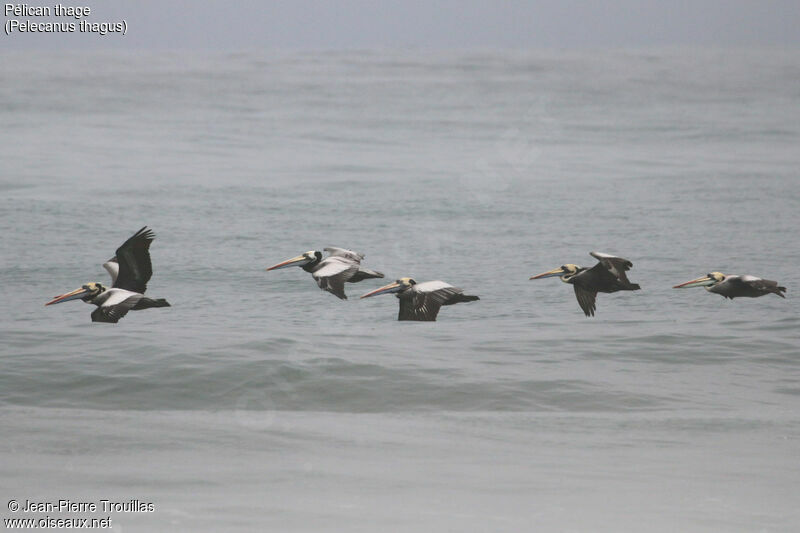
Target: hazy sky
[{"x": 315, "y": 24}]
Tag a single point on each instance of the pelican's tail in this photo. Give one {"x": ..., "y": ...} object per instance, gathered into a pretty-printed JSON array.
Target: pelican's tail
[
  {"x": 365, "y": 273},
  {"x": 147, "y": 303}
]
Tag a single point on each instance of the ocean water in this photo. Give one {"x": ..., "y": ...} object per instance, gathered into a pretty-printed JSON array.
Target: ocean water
[{"x": 258, "y": 402}]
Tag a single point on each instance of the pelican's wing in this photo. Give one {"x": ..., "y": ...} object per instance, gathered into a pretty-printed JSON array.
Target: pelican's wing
[
  {"x": 356, "y": 257},
  {"x": 112, "y": 267},
  {"x": 343, "y": 252},
  {"x": 333, "y": 272},
  {"x": 616, "y": 265},
  {"x": 759, "y": 284},
  {"x": 116, "y": 306},
  {"x": 752, "y": 281},
  {"x": 135, "y": 269},
  {"x": 586, "y": 299},
  {"x": 426, "y": 300}
]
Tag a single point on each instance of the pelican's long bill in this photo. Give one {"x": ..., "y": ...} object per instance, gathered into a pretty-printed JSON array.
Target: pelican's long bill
[
  {"x": 392, "y": 287},
  {"x": 699, "y": 282},
  {"x": 74, "y": 295},
  {"x": 549, "y": 274},
  {"x": 290, "y": 262}
]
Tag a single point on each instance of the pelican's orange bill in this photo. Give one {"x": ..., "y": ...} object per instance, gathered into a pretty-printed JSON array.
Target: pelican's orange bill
[{"x": 77, "y": 293}]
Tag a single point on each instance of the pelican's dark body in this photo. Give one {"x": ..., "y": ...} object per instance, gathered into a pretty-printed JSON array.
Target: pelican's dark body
[{"x": 600, "y": 279}]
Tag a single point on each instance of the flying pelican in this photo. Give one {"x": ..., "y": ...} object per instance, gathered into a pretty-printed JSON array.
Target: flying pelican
[
  {"x": 606, "y": 276},
  {"x": 130, "y": 271},
  {"x": 422, "y": 301},
  {"x": 732, "y": 286},
  {"x": 331, "y": 273}
]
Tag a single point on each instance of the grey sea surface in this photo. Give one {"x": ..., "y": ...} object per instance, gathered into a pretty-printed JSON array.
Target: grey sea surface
[{"x": 258, "y": 402}]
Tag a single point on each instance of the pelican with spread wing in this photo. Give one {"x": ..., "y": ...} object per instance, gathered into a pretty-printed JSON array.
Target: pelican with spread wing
[
  {"x": 130, "y": 271},
  {"x": 332, "y": 272},
  {"x": 422, "y": 301},
  {"x": 733, "y": 286},
  {"x": 608, "y": 275}
]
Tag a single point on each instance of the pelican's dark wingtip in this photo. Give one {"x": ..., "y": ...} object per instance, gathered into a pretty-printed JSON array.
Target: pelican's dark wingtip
[{"x": 146, "y": 233}]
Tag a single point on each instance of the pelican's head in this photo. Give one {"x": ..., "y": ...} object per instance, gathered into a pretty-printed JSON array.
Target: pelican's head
[
  {"x": 707, "y": 281},
  {"x": 400, "y": 285},
  {"x": 301, "y": 260},
  {"x": 86, "y": 293},
  {"x": 565, "y": 272}
]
